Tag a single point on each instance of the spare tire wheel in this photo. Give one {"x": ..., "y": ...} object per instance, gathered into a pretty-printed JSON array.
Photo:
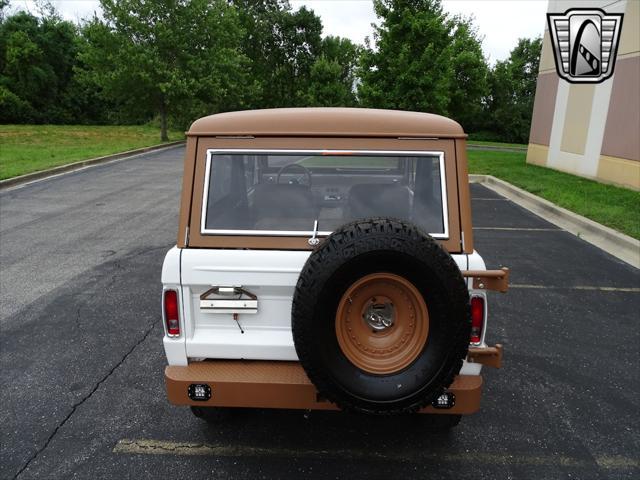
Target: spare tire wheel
[{"x": 381, "y": 317}]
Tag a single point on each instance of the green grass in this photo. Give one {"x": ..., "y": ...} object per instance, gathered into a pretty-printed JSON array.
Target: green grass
[
  {"x": 615, "y": 207},
  {"x": 348, "y": 161},
  {"x": 30, "y": 148},
  {"x": 496, "y": 144}
]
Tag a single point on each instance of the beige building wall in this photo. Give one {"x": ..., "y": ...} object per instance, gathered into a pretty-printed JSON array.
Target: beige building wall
[{"x": 591, "y": 130}]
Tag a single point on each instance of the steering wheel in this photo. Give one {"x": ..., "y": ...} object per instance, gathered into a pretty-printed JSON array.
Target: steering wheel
[{"x": 295, "y": 181}]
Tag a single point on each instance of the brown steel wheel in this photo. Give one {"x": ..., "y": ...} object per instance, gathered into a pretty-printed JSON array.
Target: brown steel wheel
[
  {"x": 382, "y": 323},
  {"x": 380, "y": 317}
]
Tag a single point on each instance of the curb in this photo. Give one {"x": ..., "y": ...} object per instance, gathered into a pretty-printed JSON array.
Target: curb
[
  {"x": 615, "y": 243},
  {"x": 71, "y": 167}
]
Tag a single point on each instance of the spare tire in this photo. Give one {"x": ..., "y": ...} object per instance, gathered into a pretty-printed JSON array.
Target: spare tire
[{"x": 381, "y": 317}]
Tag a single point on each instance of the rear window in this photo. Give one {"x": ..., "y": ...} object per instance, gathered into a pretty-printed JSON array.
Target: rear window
[{"x": 285, "y": 193}]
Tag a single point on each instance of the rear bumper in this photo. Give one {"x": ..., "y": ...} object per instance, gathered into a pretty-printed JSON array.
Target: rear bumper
[
  {"x": 489, "y": 356},
  {"x": 277, "y": 384}
]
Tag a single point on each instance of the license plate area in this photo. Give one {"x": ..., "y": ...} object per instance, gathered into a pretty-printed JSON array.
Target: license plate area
[{"x": 220, "y": 299}]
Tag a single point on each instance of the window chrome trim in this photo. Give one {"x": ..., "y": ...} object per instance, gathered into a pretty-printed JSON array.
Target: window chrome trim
[{"x": 308, "y": 233}]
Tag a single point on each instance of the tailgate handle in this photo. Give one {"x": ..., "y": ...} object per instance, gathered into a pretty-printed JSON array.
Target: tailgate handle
[{"x": 242, "y": 301}]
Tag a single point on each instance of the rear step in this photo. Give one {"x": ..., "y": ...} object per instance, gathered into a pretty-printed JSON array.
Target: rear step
[{"x": 276, "y": 384}]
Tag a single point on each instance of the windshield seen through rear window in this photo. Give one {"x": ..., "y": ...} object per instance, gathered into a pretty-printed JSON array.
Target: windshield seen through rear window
[{"x": 286, "y": 193}]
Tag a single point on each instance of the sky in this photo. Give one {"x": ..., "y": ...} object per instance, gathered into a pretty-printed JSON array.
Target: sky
[{"x": 500, "y": 22}]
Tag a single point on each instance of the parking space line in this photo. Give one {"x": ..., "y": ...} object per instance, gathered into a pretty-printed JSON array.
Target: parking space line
[
  {"x": 162, "y": 447},
  {"x": 520, "y": 229},
  {"x": 577, "y": 287}
]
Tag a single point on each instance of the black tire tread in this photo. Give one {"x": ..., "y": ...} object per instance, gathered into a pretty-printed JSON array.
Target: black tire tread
[{"x": 369, "y": 231}]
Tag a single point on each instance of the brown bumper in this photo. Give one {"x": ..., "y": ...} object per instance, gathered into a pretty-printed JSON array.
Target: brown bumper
[
  {"x": 496, "y": 280},
  {"x": 274, "y": 384},
  {"x": 489, "y": 356}
]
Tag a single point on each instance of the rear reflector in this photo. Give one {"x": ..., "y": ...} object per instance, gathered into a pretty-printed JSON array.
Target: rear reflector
[
  {"x": 171, "y": 313},
  {"x": 477, "y": 319}
]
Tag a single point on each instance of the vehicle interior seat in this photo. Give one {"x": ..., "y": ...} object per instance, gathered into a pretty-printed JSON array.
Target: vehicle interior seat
[
  {"x": 283, "y": 207},
  {"x": 231, "y": 210},
  {"x": 379, "y": 200}
]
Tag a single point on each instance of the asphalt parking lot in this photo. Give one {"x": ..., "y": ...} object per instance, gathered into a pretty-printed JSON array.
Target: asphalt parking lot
[{"x": 82, "y": 361}]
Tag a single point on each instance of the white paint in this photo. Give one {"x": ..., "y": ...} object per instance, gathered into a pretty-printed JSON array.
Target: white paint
[
  {"x": 567, "y": 161},
  {"x": 559, "y": 115},
  {"x": 271, "y": 275},
  {"x": 475, "y": 262},
  {"x": 585, "y": 164},
  {"x": 171, "y": 267},
  {"x": 174, "y": 347},
  {"x": 599, "y": 111}
]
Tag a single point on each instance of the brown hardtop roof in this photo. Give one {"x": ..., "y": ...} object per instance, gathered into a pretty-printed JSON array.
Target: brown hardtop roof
[{"x": 326, "y": 122}]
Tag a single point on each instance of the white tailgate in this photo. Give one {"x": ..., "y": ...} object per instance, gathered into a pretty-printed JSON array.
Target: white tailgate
[{"x": 271, "y": 275}]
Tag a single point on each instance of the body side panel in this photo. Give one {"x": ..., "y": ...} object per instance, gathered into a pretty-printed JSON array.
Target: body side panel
[
  {"x": 464, "y": 195},
  {"x": 187, "y": 191},
  {"x": 174, "y": 347}
]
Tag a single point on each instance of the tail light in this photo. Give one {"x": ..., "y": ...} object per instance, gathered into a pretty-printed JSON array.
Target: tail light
[
  {"x": 477, "y": 319},
  {"x": 171, "y": 318}
]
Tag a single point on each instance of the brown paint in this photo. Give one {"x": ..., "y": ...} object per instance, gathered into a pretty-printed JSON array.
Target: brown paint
[
  {"x": 327, "y": 122},
  {"x": 544, "y": 107},
  {"x": 273, "y": 384},
  {"x": 496, "y": 280},
  {"x": 489, "y": 356},
  {"x": 621, "y": 133},
  {"x": 464, "y": 196},
  {"x": 394, "y": 348},
  {"x": 187, "y": 190},
  {"x": 199, "y": 240}
]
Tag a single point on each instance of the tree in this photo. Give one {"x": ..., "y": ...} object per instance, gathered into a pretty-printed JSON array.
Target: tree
[
  {"x": 37, "y": 56},
  {"x": 283, "y": 46},
  {"x": 425, "y": 60},
  {"x": 469, "y": 87},
  {"x": 301, "y": 43},
  {"x": 178, "y": 57},
  {"x": 325, "y": 88},
  {"x": 513, "y": 85},
  {"x": 332, "y": 78},
  {"x": 411, "y": 68}
]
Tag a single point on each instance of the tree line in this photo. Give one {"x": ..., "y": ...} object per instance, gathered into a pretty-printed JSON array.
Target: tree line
[{"x": 177, "y": 60}]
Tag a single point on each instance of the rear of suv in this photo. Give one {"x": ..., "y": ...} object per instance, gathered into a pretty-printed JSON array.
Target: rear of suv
[{"x": 325, "y": 260}]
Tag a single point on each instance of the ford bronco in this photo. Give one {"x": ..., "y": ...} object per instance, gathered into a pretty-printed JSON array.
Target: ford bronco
[{"x": 325, "y": 260}]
